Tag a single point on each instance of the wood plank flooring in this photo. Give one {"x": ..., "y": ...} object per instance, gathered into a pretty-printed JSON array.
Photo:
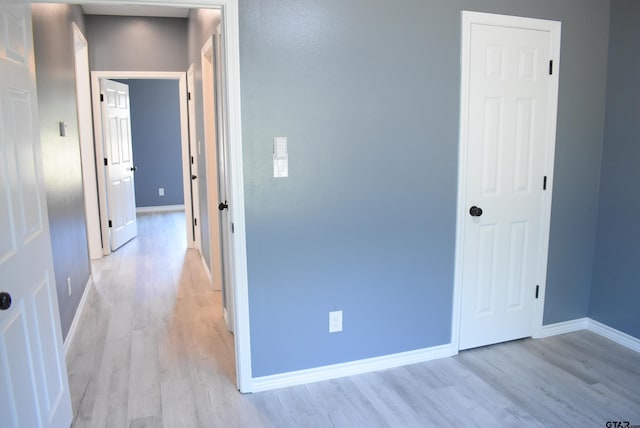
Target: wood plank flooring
[{"x": 152, "y": 350}]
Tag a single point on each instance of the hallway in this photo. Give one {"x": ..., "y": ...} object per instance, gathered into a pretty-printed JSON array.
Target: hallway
[{"x": 152, "y": 345}]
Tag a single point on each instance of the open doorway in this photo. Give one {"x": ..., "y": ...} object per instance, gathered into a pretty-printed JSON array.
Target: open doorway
[
  {"x": 227, "y": 10},
  {"x": 98, "y": 78}
]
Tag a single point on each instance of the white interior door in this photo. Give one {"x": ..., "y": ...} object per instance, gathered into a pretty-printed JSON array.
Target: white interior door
[
  {"x": 509, "y": 101},
  {"x": 193, "y": 160},
  {"x": 119, "y": 167},
  {"x": 226, "y": 214},
  {"x": 34, "y": 390},
  {"x": 211, "y": 164}
]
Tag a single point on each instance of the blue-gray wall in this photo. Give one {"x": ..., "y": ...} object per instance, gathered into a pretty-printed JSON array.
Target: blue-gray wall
[
  {"x": 615, "y": 291},
  {"x": 126, "y": 43},
  {"x": 157, "y": 146},
  {"x": 55, "y": 78},
  {"x": 368, "y": 94}
]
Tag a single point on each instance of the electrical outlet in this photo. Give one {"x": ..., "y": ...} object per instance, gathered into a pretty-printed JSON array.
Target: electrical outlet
[
  {"x": 335, "y": 321},
  {"x": 69, "y": 285},
  {"x": 161, "y": 191}
]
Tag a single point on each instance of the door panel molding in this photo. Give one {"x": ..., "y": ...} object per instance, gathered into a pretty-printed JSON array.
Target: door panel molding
[
  {"x": 554, "y": 30},
  {"x": 34, "y": 390}
]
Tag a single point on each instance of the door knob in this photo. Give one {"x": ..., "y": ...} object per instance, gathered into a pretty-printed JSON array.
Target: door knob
[
  {"x": 193, "y": 177},
  {"x": 223, "y": 206},
  {"x": 475, "y": 211},
  {"x": 5, "y": 301},
  {"x": 134, "y": 168}
]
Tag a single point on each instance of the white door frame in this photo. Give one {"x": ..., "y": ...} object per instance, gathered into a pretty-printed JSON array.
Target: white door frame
[
  {"x": 194, "y": 230},
  {"x": 184, "y": 137},
  {"x": 85, "y": 134},
  {"x": 231, "y": 27},
  {"x": 554, "y": 28}
]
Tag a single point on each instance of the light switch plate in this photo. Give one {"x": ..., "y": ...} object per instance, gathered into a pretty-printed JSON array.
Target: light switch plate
[{"x": 280, "y": 157}]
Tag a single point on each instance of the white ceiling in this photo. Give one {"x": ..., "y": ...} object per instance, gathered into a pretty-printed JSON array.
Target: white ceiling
[{"x": 136, "y": 10}]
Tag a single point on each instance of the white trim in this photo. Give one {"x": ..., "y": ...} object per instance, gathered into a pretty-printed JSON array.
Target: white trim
[
  {"x": 617, "y": 336},
  {"x": 85, "y": 136},
  {"x": 206, "y": 268},
  {"x": 71, "y": 334},
  {"x": 186, "y": 161},
  {"x": 562, "y": 328},
  {"x": 350, "y": 368},
  {"x": 191, "y": 154},
  {"x": 232, "y": 51},
  {"x": 594, "y": 326},
  {"x": 554, "y": 28},
  {"x": 184, "y": 140},
  {"x": 159, "y": 209},
  {"x": 240, "y": 278}
]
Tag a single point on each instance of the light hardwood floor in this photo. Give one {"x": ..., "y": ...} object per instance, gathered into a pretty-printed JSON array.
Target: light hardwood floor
[{"x": 152, "y": 350}]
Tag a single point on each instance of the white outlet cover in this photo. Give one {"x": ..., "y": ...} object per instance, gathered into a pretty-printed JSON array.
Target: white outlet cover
[{"x": 335, "y": 321}]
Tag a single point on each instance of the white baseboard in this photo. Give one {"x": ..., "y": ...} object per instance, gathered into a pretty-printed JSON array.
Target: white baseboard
[
  {"x": 597, "y": 327},
  {"x": 351, "y": 368},
  {"x": 159, "y": 209},
  {"x": 206, "y": 269},
  {"x": 562, "y": 327},
  {"x": 76, "y": 318},
  {"x": 617, "y": 336}
]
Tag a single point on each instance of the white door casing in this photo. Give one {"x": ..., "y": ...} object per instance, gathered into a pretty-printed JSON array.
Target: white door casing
[
  {"x": 119, "y": 171},
  {"x": 85, "y": 131},
  {"x": 194, "y": 155},
  {"x": 34, "y": 390},
  {"x": 508, "y": 112},
  {"x": 181, "y": 77},
  {"x": 224, "y": 190}
]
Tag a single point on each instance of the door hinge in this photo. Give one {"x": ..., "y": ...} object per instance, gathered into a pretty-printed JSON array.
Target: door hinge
[
  {"x": 537, "y": 291},
  {"x": 106, "y": 162},
  {"x": 101, "y": 98},
  {"x": 189, "y": 96},
  {"x": 195, "y": 221},
  {"x": 550, "y": 66},
  {"x": 191, "y": 160},
  {"x": 233, "y": 228},
  {"x": 544, "y": 183},
  {"x": 110, "y": 224}
]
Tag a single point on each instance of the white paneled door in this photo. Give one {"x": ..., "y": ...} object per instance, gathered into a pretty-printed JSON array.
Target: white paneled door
[
  {"x": 224, "y": 186},
  {"x": 34, "y": 390},
  {"x": 119, "y": 167},
  {"x": 509, "y": 102}
]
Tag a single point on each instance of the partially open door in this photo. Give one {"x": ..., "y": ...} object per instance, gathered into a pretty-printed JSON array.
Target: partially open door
[
  {"x": 34, "y": 390},
  {"x": 224, "y": 186},
  {"x": 119, "y": 167}
]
